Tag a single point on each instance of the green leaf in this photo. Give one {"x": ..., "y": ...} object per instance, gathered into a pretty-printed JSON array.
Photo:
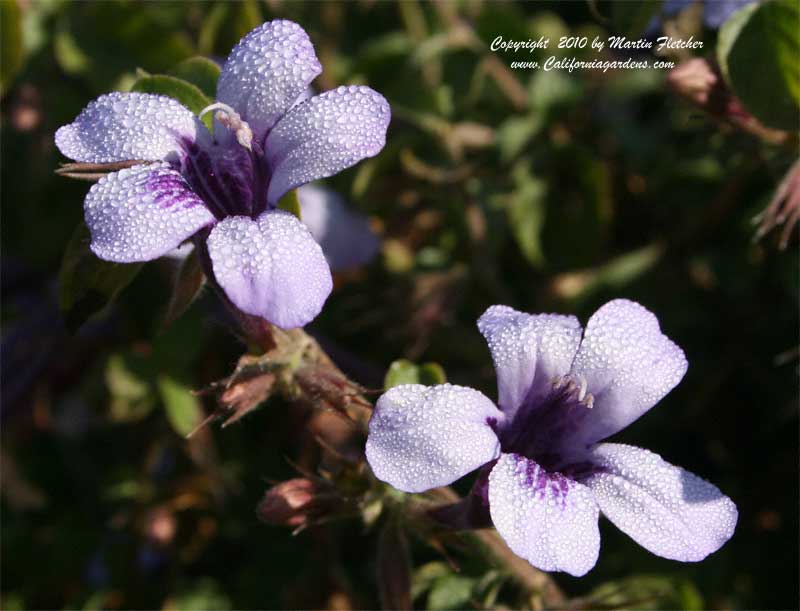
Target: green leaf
[
  {"x": 654, "y": 592},
  {"x": 759, "y": 52},
  {"x": 87, "y": 284},
  {"x": 12, "y": 51},
  {"x": 431, "y": 374},
  {"x": 189, "y": 282},
  {"x": 183, "y": 408},
  {"x": 200, "y": 72},
  {"x": 185, "y": 92},
  {"x": 102, "y": 41},
  {"x": 203, "y": 594},
  {"x": 630, "y": 17},
  {"x": 400, "y": 372},
  {"x": 13, "y": 601},
  {"x": 426, "y": 575},
  {"x": 689, "y": 596},
  {"x": 210, "y": 29},
  {"x": 68, "y": 54},
  {"x": 554, "y": 91},
  {"x": 450, "y": 592},
  {"x": 514, "y": 134},
  {"x": 290, "y": 203},
  {"x": 728, "y": 34},
  {"x": 526, "y": 214},
  {"x": 404, "y": 371},
  {"x": 127, "y": 380},
  {"x": 248, "y": 16},
  {"x": 615, "y": 274}
]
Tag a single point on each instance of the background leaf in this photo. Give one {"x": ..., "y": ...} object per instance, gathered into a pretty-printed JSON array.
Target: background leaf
[
  {"x": 631, "y": 17},
  {"x": 450, "y": 592},
  {"x": 86, "y": 283},
  {"x": 201, "y": 72},
  {"x": 189, "y": 282},
  {"x": 526, "y": 214},
  {"x": 185, "y": 92},
  {"x": 12, "y": 52},
  {"x": 291, "y": 203},
  {"x": 404, "y": 371},
  {"x": 183, "y": 408},
  {"x": 759, "y": 50}
]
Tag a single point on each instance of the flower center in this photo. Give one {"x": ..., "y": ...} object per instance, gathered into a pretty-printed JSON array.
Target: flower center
[
  {"x": 543, "y": 421},
  {"x": 230, "y": 174}
]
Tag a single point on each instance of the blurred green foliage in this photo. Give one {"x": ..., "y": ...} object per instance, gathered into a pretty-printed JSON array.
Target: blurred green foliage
[
  {"x": 759, "y": 51},
  {"x": 545, "y": 191},
  {"x": 404, "y": 371}
]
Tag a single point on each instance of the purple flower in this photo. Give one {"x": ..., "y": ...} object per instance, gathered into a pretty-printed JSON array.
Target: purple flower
[
  {"x": 715, "y": 12},
  {"x": 344, "y": 234},
  {"x": 546, "y": 477},
  {"x": 223, "y": 188}
]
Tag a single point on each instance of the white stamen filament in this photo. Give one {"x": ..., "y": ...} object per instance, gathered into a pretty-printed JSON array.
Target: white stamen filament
[
  {"x": 576, "y": 386},
  {"x": 582, "y": 392},
  {"x": 230, "y": 119}
]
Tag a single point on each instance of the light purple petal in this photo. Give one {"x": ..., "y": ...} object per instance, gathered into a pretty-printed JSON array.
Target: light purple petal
[
  {"x": 325, "y": 135},
  {"x": 718, "y": 11},
  {"x": 343, "y": 233},
  {"x": 528, "y": 351},
  {"x": 669, "y": 511},
  {"x": 141, "y": 213},
  {"x": 628, "y": 364},
  {"x": 546, "y": 518},
  {"x": 422, "y": 437},
  {"x": 129, "y": 126},
  {"x": 307, "y": 94},
  {"x": 271, "y": 267},
  {"x": 266, "y": 72}
]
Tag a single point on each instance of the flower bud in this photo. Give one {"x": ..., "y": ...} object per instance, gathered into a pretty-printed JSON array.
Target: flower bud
[
  {"x": 695, "y": 80},
  {"x": 291, "y": 503}
]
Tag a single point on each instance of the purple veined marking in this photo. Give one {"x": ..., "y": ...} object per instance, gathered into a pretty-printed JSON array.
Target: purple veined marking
[
  {"x": 223, "y": 187},
  {"x": 562, "y": 391},
  {"x": 169, "y": 190}
]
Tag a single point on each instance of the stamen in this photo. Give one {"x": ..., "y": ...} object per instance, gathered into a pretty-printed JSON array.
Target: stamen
[
  {"x": 574, "y": 387},
  {"x": 230, "y": 119},
  {"x": 582, "y": 391}
]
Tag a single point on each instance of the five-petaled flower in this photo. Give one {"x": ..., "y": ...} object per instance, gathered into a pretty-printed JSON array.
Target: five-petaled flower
[
  {"x": 223, "y": 189},
  {"x": 546, "y": 477}
]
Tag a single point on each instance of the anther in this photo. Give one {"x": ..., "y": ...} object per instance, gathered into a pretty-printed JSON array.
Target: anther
[
  {"x": 582, "y": 391},
  {"x": 573, "y": 386},
  {"x": 231, "y": 120}
]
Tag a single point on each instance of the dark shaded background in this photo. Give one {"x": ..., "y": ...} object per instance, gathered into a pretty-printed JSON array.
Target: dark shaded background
[{"x": 544, "y": 191}]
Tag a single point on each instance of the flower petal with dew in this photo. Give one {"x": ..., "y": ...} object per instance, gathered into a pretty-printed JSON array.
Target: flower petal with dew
[
  {"x": 343, "y": 233},
  {"x": 422, "y": 437},
  {"x": 270, "y": 267},
  {"x": 325, "y": 135},
  {"x": 268, "y": 138},
  {"x": 665, "y": 509},
  {"x": 143, "y": 212},
  {"x": 129, "y": 126},
  {"x": 628, "y": 365},
  {"x": 266, "y": 72},
  {"x": 559, "y": 394},
  {"x": 528, "y": 351},
  {"x": 546, "y": 518}
]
